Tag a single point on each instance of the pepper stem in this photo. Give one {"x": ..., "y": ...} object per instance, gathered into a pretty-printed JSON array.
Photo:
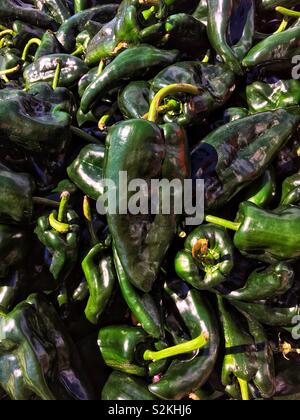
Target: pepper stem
[
  {"x": 182, "y": 348},
  {"x": 244, "y": 389},
  {"x": 65, "y": 198},
  {"x": 7, "y": 32},
  {"x": 148, "y": 13},
  {"x": 102, "y": 125},
  {"x": 10, "y": 71},
  {"x": 78, "y": 51},
  {"x": 57, "y": 74},
  {"x": 283, "y": 25},
  {"x": 171, "y": 105},
  {"x": 207, "y": 57},
  {"x": 33, "y": 41},
  {"x": 83, "y": 135},
  {"x": 89, "y": 219},
  {"x": 170, "y": 90},
  {"x": 287, "y": 12},
  {"x": 222, "y": 222},
  {"x": 58, "y": 226},
  {"x": 101, "y": 67}
]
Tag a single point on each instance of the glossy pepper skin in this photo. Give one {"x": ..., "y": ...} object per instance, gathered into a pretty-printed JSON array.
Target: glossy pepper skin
[
  {"x": 143, "y": 307},
  {"x": 135, "y": 62},
  {"x": 13, "y": 286},
  {"x": 9, "y": 58},
  {"x": 216, "y": 83},
  {"x": 128, "y": 27},
  {"x": 243, "y": 360},
  {"x": 99, "y": 271},
  {"x": 44, "y": 70},
  {"x": 24, "y": 32},
  {"x": 57, "y": 9},
  {"x": 263, "y": 284},
  {"x": 278, "y": 47},
  {"x": 13, "y": 250},
  {"x": 31, "y": 123},
  {"x": 262, "y": 191},
  {"x": 191, "y": 373},
  {"x": 134, "y": 100},
  {"x": 119, "y": 346},
  {"x": 290, "y": 193},
  {"x": 142, "y": 242},
  {"x": 49, "y": 45},
  {"x": 26, "y": 12},
  {"x": 123, "y": 387},
  {"x": 16, "y": 191},
  {"x": 231, "y": 46},
  {"x": 37, "y": 357},
  {"x": 62, "y": 247},
  {"x": 236, "y": 154},
  {"x": 263, "y": 97},
  {"x": 69, "y": 30},
  {"x": 207, "y": 259},
  {"x": 269, "y": 235},
  {"x": 87, "y": 170}
]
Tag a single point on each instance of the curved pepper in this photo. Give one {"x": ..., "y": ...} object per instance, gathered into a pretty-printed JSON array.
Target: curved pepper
[
  {"x": 263, "y": 284},
  {"x": 132, "y": 63},
  {"x": 263, "y": 97},
  {"x": 290, "y": 190},
  {"x": 134, "y": 100},
  {"x": 143, "y": 307},
  {"x": 236, "y": 154},
  {"x": 17, "y": 9},
  {"x": 72, "y": 68},
  {"x": 262, "y": 192},
  {"x": 57, "y": 9},
  {"x": 187, "y": 375},
  {"x": 221, "y": 13},
  {"x": 87, "y": 170},
  {"x": 49, "y": 45},
  {"x": 207, "y": 259},
  {"x": 101, "y": 279},
  {"x": 215, "y": 83},
  {"x": 122, "y": 387}
]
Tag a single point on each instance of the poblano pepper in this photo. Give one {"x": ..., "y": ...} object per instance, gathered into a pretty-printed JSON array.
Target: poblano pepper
[
  {"x": 262, "y": 191},
  {"x": 208, "y": 258},
  {"x": 13, "y": 287},
  {"x": 123, "y": 387},
  {"x": 290, "y": 193},
  {"x": 134, "y": 99},
  {"x": 57, "y": 9},
  {"x": 48, "y": 45},
  {"x": 17, "y": 9},
  {"x": 236, "y": 154}
]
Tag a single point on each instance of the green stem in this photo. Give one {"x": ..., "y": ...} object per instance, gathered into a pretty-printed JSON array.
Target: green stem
[
  {"x": 244, "y": 389},
  {"x": 78, "y": 51},
  {"x": 89, "y": 219},
  {"x": 45, "y": 202},
  {"x": 148, "y": 13},
  {"x": 57, "y": 74},
  {"x": 3, "y": 28},
  {"x": 182, "y": 348},
  {"x": 222, "y": 222},
  {"x": 287, "y": 12},
  {"x": 7, "y": 32},
  {"x": 101, "y": 67},
  {"x": 65, "y": 198},
  {"x": 33, "y": 41},
  {"x": 105, "y": 118},
  {"x": 10, "y": 71},
  {"x": 207, "y": 57},
  {"x": 171, "y": 105},
  {"x": 170, "y": 90},
  {"x": 283, "y": 25},
  {"x": 83, "y": 135},
  {"x": 58, "y": 226}
]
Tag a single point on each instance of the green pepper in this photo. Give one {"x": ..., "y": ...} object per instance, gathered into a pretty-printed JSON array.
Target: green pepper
[
  {"x": 291, "y": 190},
  {"x": 87, "y": 170},
  {"x": 262, "y": 191},
  {"x": 134, "y": 100},
  {"x": 201, "y": 12},
  {"x": 121, "y": 348},
  {"x": 12, "y": 286},
  {"x": 16, "y": 190},
  {"x": 31, "y": 123},
  {"x": 207, "y": 259},
  {"x": 244, "y": 360},
  {"x": 122, "y": 387},
  {"x": 9, "y": 58},
  {"x": 265, "y": 97},
  {"x": 61, "y": 98},
  {"x": 189, "y": 374},
  {"x": 221, "y": 14},
  {"x": 215, "y": 83},
  {"x": 60, "y": 239},
  {"x": 57, "y": 9},
  {"x": 49, "y": 45},
  {"x": 279, "y": 47},
  {"x": 44, "y": 70},
  {"x": 25, "y": 32},
  {"x": 68, "y": 31},
  {"x": 24, "y": 11},
  {"x": 37, "y": 357},
  {"x": 263, "y": 284},
  {"x": 101, "y": 278},
  {"x": 236, "y": 154},
  {"x": 143, "y": 307},
  {"x": 130, "y": 27},
  {"x": 142, "y": 243},
  {"x": 132, "y": 63}
]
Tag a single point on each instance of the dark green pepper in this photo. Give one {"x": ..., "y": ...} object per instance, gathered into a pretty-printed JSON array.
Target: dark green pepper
[
  {"x": 215, "y": 83},
  {"x": 189, "y": 374},
  {"x": 101, "y": 278},
  {"x": 207, "y": 259},
  {"x": 9, "y": 58},
  {"x": 132, "y": 63},
  {"x": 57, "y": 9},
  {"x": 262, "y": 191},
  {"x": 122, "y": 387},
  {"x": 24, "y": 11},
  {"x": 134, "y": 100},
  {"x": 221, "y": 15},
  {"x": 143, "y": 307},
  {"x": 263, "y": 97},
  {"x": 87, "y": 170},
  {"x": 263, "y": 284},
  {"x": 49, "y": 45},
  {"x": 72, "y": 68},
  {"x": 25, "y": 32},
  {"x": 291, "y": 190},
  {"x": 236, "y": 154},
  {"x": 13, "y": 286}
]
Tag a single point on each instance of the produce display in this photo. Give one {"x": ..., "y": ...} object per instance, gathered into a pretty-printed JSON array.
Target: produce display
[{"x": 108, "y": 98}]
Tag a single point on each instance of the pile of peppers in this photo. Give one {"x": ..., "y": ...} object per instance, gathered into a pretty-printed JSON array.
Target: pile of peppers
[{"x": 147, "y": 307}]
